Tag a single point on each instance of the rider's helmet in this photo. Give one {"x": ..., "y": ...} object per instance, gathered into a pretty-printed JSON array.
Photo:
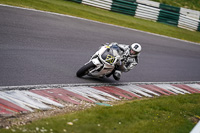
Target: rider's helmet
[{"x": 135, "y": 49}]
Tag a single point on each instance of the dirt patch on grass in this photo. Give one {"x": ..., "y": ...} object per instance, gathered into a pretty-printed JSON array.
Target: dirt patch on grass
[
  {"x": 25, "y": 118},
  {"x": 195, "y": 119}
]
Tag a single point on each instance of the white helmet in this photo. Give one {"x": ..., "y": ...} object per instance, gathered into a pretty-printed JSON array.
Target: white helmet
[{"x": 135, "y": 49}]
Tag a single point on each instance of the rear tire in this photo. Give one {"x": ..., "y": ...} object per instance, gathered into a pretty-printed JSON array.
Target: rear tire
[{"x": 85, "y": 69}]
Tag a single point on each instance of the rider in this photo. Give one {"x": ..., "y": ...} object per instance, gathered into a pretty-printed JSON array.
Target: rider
[{"x": 129, "y": 58}]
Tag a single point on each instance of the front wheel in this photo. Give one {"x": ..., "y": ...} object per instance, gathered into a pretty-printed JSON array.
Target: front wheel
[{"x": 85, "y": 69}]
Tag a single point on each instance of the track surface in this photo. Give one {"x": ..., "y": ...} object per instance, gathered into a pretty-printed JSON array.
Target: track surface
[{"x": 41, "y": 48}]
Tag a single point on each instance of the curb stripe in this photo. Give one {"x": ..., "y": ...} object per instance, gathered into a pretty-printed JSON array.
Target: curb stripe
[
  {"x": 56, "y": 95},
  {"x": 127, "y": 93},
  {"x": 24, "y": 101},
  {"x": 115, "y": 92},
  {"x": 74, "y": 90},
  {"x": 8, "y": 108},
  {"x": 42, "y": 99},
  {"x": 144, "y": 90},
  {"x": 154, "y": 88},
  {"x": 77, "y": 96},
  {"x": 15, "y": 101},
  {"x": 172, "y": 89},
  {"x": 165, "y": 90},
  {"x": 89, "y": 93},
  {"x": 196, "y": 86},
  {"x": 96, "y": 94},
  {"x": 70, "y": 94},
  {"x": 5, "y": 112},
  {"x": 42, "y": 93},
  {"x": 137, "y": 92},
  {"x": 11, "y": 106},
  {"x": 185, "y": 87}
]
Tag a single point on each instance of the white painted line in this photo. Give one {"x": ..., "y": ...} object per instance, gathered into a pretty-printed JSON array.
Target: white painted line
[
  {"x": 24, "y": 99},
  {"x": 195, "y": 86},
  {"x": 138, "y": 89},
  {"x": 35, "y": 101},
  {"x": 179, "y": 89},
  {"x": 14, "y": 101},
  {"x": 131, "y": 90},
  {"x": 74, "y": 90},
  {"x": 101, "y": 93},
  {"x": 169, "y": 88},
  {"x": 84, "y": 91},
  {"x": 94, "y": 94},
  {"x": 42, "y": 99},
  {"x": 145, "y": 90},
  {"x": 196, "y": 129},
  {"x": 172, "y": 89},
  {"x": 99, "y": 23}
]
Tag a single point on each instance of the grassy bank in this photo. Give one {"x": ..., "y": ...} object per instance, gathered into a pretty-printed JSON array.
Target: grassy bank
[
  {"x": 84, "y": 11},
  {"x": 172, "y": 114},
  {"x": 190, "y": 4}
]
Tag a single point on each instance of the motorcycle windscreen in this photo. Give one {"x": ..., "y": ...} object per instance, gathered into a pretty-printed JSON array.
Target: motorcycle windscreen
[{"x": 108, "y": 56}]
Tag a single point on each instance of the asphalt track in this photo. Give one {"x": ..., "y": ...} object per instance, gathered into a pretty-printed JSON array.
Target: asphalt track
[{"x": 42, "y": 48}]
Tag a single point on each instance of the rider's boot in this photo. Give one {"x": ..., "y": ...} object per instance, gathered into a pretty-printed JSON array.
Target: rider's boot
[{"x": 117, "y": 75}]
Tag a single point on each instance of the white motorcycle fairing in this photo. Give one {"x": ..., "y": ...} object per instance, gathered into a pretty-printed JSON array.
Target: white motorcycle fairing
[{"x": 104, "y": 61}]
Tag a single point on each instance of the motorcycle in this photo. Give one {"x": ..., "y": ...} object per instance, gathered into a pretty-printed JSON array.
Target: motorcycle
[{"x": 102, "y": 63}]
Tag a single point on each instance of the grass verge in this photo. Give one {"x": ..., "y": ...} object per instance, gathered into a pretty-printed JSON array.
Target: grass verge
[
  {"x": 191, "y": 4},
  {"x": 166, "y": 114},
  {"x": 88, "y": 12}
]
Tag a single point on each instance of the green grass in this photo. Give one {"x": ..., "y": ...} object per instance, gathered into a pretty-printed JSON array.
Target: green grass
[
  {"x": 88, "y": 12},
  {"x": 172, "y": 114},
  {"x": 191, "y": 4}
]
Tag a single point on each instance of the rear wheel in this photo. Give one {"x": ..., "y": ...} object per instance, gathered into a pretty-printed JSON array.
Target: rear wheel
[{"x": 85, "y": 69}]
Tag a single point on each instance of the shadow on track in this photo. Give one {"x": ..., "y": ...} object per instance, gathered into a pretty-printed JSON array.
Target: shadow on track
[{"x": 98, "y": 80}]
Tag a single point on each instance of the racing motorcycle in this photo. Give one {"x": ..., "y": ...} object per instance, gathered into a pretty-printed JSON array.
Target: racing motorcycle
[{"x": 102, "y": 63}]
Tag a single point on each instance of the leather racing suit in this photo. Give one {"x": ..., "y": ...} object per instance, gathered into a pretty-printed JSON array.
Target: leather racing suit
[{"x": 127, "y": 61}]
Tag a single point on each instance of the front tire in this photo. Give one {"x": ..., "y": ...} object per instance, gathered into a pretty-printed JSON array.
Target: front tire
[{"x": 85, "y": 69}]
